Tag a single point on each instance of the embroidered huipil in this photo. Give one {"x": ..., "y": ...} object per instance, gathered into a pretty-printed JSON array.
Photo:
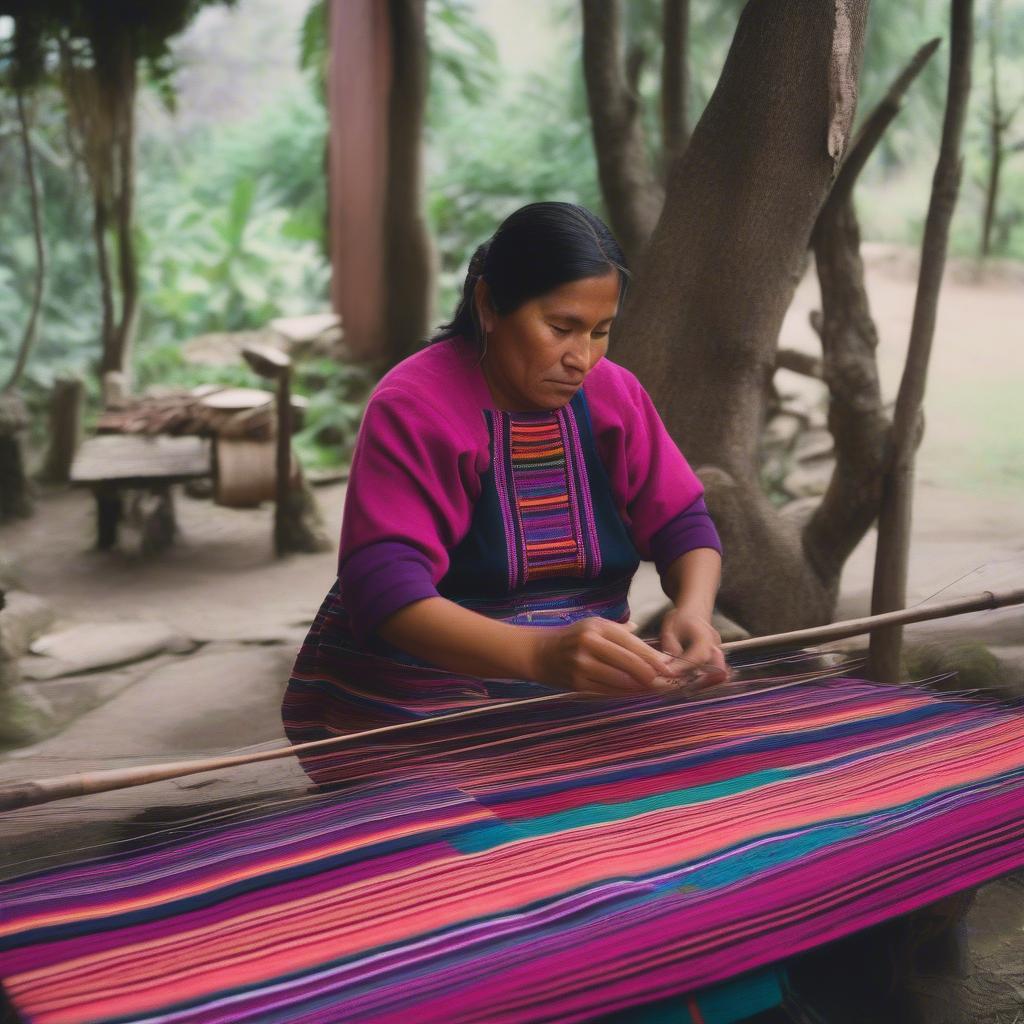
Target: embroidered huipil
[{"x": 536, "y": 518}]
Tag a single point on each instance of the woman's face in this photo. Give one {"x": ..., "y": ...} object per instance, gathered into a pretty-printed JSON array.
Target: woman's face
[{"x": 538, "y": 355}]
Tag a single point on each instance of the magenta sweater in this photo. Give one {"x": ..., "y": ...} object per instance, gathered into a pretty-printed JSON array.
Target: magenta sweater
[{"x": 424, "y": 444}]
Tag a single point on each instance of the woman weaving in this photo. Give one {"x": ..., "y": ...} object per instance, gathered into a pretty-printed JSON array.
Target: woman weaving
[{"x": 506, "y": 482}]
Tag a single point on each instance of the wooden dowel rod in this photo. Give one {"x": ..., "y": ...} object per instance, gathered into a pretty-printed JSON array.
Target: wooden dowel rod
[
  {"x": 854, "y": 627},
  {"x": 40, "y": 791}
]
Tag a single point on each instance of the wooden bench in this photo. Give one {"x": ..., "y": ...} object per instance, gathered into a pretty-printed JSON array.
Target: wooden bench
[{"x": 111, "y": 463}]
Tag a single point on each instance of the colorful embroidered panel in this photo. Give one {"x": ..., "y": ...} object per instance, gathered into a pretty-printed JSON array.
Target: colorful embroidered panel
[
  {"x": 546, "y": 864},
  {"x": 544, "y": 496}
]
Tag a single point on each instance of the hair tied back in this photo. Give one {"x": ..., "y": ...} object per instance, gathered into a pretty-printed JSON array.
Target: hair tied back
[{"x": 476, "y": 263}]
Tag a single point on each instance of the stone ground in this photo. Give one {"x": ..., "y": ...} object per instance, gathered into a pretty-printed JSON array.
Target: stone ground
[{"x": 187, "y": 653}]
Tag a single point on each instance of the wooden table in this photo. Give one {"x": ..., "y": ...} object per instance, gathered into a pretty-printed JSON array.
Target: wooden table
[{"x": 109, "y": 463}]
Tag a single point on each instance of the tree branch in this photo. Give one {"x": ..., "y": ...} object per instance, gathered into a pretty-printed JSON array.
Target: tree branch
[
  {"x": 890, "y": 581},
  {"x": 856, "y": 416},
  {"x": 631, "y": 192},
  {"x": 798, "y": 362},
  {"x": 31, "y": 332},
  {"x": 675, "y": 79},
  {"x": 875, "y": 124}
]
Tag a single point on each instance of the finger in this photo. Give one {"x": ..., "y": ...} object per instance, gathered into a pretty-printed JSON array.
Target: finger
[
  {"x": 604, "y": 662},
  {"x": 616, "y": 661},
  {"x": 700, "y": 652},
  {"x": 600, "y": 681},
  {"x": 659, "y": 662},
  {"x": 670, "y": 643}
]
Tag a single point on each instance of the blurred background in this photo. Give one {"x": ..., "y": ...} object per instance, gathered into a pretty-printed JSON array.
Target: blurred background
[{"x": 228, "y": 217}]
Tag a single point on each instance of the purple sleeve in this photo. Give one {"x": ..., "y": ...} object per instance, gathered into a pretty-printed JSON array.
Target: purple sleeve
[
  {"x": 379, "y": 579},
  {"x": 692, "y": 528}
]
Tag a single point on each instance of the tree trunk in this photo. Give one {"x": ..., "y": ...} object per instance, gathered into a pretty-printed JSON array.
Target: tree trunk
[
  {"x": 15, "y": 490},
  {"x": 406, "y": 312},
  {"x": 631, "y": 191},
  {"x": 701, "y": 324},
  {"x": 996, "y": 130},
  {"x": 359, "y": 76},
  {"x": 889, "y": 590},
  {"x": 100, "y": 99},
  {"x": 128, "y": 275},
  {"x": 65, "y": 429},
  {"x": 31, "y": 331},
  {"x": 675, "y": 81}
]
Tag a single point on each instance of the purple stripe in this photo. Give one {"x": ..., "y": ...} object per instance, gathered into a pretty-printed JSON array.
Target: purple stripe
[
  {"x": 591, "y": 546},
  {"x": 500, "y": 458}
]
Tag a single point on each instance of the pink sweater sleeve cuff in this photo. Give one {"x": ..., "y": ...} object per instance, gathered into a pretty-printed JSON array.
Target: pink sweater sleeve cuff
[
  {"x": 692, "y": 528},
  {"x": 379, "y": 579}
]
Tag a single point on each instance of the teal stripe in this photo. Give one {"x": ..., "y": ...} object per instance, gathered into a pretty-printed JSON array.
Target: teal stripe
[{"x": 489, "y": 836}]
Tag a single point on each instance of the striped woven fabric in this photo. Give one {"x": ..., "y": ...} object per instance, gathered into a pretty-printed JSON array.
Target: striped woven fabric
[
  {"x": 543, "y": 864},
  {"x": 547, "y": 495}
]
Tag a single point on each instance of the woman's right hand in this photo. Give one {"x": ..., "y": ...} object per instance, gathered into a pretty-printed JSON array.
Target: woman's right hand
[{"x": 596, "y": 655}]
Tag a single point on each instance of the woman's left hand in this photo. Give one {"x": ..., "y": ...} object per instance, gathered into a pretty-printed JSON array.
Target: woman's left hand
[{"x": 692, "y": 638}]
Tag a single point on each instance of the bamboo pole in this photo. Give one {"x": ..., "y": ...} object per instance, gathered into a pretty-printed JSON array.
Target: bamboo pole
[{"x": 40, "y": 791}]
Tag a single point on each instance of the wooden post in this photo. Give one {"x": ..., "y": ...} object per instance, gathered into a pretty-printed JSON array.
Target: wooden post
[
  {"x": 108, "y": 515},
  {"x": 15, "y": 488},
  {"x": 284, "y": 456},
  {"x": 65, "y": 429},
  {"x": 297, "y": 525}
]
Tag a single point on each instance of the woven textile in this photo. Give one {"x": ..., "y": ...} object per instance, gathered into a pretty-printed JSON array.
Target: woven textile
[
  {"x": 539, "y": 864},
  {"x": 545, "y": 496}
]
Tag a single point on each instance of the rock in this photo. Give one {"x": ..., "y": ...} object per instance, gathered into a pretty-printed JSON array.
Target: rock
[
  {"x": 782, "y": 430},
  {"x": 808, "y": 480},
  {"x": 958, "y": 665},
  {"x": 69, "y": 697},
  {"x": 802, "y": 396},
  {"x": 10, "y": 572},
  {"x": 98, "y": 644},
  {"x": 25, "y": 716},
  {"x": 799, "y": 510},
  {"x": 213, "y": 701},
  {"x": 23, "y": 618},
  {"x": 814, "y": 444}
]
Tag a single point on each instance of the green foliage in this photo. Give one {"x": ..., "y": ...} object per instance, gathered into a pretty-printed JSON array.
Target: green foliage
[
  {"x": 232, "y": 227},
  {"x": 231, "y": 220},
  {"x": 69, "y": 338},
  {"x": 492, "y": 144},
  {"x": 337, "y": 394},
  {"x": 463, "y": 55},
  {"x": 314, "y": 48}
]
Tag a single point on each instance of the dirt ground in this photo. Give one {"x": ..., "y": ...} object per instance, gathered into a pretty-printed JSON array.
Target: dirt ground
[{"x": 246, "y": 612}]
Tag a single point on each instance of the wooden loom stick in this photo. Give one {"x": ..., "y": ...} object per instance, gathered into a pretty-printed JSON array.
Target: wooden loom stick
[{"x": 40, "y": 791}]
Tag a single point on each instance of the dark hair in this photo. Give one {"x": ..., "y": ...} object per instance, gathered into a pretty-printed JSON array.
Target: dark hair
[{"x": 535, "y": 250}]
